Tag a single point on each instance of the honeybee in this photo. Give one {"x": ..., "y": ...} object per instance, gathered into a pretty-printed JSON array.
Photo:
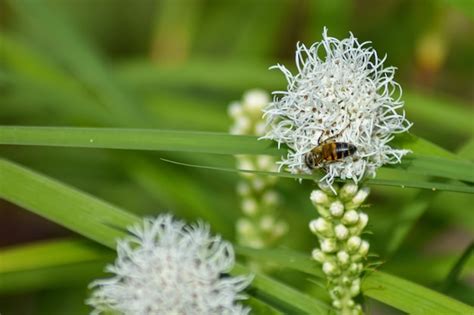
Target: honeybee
[{"x": 328, "y": 151}]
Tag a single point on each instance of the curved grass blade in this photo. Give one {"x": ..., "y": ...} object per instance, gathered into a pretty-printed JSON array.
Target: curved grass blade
[
  {"x": 456, "y": 270},
  {"x": 46, "y": 254},
  {"x": 60, "y": 203},
  {"x": 405, "y": 183},
  {"x": 51, "y": 264}
]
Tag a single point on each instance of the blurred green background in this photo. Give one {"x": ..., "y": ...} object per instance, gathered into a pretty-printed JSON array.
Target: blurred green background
[{"x": 177, "y": 64}]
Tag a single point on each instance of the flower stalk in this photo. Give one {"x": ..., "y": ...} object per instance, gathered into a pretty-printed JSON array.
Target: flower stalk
[
  {"x": 259, "y": 226},
  {"x": 341, "y": 250}
]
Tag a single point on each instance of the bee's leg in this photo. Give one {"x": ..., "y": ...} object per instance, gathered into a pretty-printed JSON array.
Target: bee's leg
[{"x": 331, "y": 138}]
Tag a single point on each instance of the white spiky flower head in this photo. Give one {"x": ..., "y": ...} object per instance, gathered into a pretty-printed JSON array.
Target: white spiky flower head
[
  {"x": 341, "y": 90},
  {"x": 168, "y": 267}
]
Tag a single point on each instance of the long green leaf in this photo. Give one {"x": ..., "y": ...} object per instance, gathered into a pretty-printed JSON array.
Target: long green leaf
[
  {"x": 394, "y": 291},
  {"x": 62, "y": 204},
  {"x": 51, "y": 264},
  {"x": 411, "y": 212},
  {"x": 296, "y": 299},
  {"x": 136, "y": 139},
  {"x": 411, "y": 298},
  {"x": 47, "y": 254},
  {"x": 186, "y": 141}
]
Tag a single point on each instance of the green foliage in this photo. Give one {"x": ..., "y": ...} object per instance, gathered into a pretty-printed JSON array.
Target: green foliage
[
  {"x": 136, "y": 139},
  {"x": 62, "y": 64},
  {"x": 106, "y": 223}
]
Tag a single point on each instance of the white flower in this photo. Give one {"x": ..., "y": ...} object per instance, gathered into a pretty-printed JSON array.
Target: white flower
[
  {"x": 167, "y": 267},
  {"x": 342, "y": 92}
]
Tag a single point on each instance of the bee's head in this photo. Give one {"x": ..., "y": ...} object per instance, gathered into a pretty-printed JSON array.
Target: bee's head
[{"x": 312, "y": 159}]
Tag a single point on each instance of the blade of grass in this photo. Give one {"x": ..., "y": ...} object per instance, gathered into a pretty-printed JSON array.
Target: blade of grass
[
  {"x": 456, "y": 270},
  {"x": 411, "y": 298},
  {"x": 411, "y": 212},
  {"x": 152, "y": 139},
  {"x": 67, "y": 206},
  {"x": 46, "y": 254},
  {"x": 51, "y": 264},
  {"x": 59, "y": 276},
  {"x": 264, "y": 286},
  {"x": 136, "y": 139},
  {"x": 394, "y": 291},
  {"x": 449, "y": 114},
  {"x": 404, "y": 183},
  {"x": 439, "y": 167}
]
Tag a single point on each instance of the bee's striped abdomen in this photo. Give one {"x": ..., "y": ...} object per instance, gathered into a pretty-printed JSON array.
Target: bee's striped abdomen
[{"x": 344, "y": 149}]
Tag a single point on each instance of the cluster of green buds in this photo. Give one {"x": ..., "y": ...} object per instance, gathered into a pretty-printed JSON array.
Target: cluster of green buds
[
  {"x": 259, "y": 226},
  {"x": 341, "y": 251}
]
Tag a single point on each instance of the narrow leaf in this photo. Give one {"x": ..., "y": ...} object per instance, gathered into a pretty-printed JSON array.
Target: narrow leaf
[
  {"x": 265, "y": 285},
  {"x": 394, "y": 291},
  {"x": 218, "y": 143},
  {"x": 403, "y": 183},
  {"x": 456, "y": 270},
  {"x": 60, "y": 203},
  {"x": 136, "y": 139}
]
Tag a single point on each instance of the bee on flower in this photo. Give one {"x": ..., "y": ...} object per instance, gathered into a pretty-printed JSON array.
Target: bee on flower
[{"x": 339, "y": 112}]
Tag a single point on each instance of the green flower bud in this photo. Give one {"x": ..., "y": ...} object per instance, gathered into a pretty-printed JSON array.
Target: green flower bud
[
  {"x": 364, "y": 248},
  {"x": 318, "y": 255},
  {"x": 348, "y": 191},
  {"x": 330, "y": 268},
  {"x": 328, "y": 245},
  {"x": 361, "y": 195},
  {"x": 353, "y": 244},
  {"x": 336, "y": 209},
  {"x": 350, "y": 217},
  {"x": 341, "y": 232},
  {"x": 318, "y": 197},
  {"x": 343, "y": 257},
  {"x": 355, "y": 288},
  {"x": 321, "y": 226},
  {"x": 249, "y": 206}
]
